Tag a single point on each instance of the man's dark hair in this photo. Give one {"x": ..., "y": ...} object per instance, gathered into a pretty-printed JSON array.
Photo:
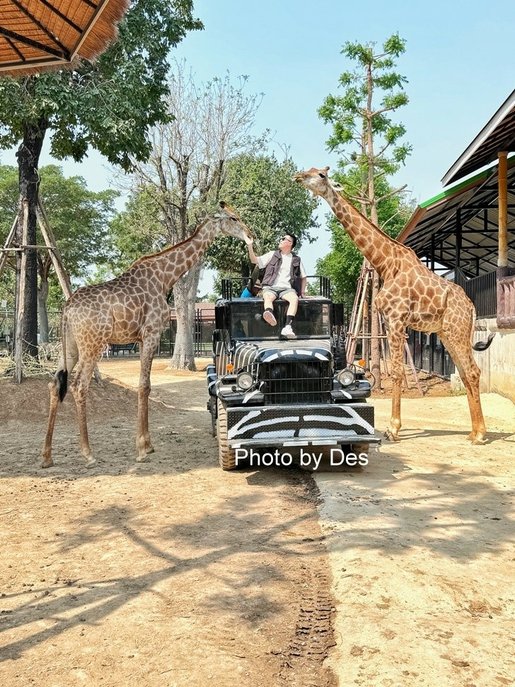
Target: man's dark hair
[{"x": 293, "y": 238}]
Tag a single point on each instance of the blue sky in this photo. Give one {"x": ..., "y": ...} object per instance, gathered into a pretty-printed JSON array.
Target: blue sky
[{"x": 459, "y": 62}]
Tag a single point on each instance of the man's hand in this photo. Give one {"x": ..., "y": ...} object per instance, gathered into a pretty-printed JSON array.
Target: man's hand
[{"x": 250, "y": 245}]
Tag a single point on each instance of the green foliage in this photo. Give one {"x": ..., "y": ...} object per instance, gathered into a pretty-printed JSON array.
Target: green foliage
[
  {"x": 109, "y": 104},
  {"x": 370, "y": 148},
  {"x": 270, "y": 203},
  {"x": 354, "y": 116},
  {"x": 78, "y": 217}
]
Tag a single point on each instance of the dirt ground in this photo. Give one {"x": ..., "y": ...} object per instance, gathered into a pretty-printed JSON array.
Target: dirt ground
[
  {"x": 173, "y": 573},
  {"x": 166, "y": 573},
  {"x": 421, "y": 551}
]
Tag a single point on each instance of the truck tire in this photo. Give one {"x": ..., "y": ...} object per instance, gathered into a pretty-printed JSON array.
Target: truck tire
[
  {"x": 339, "y": 357},
  {"x": 356, "y": 449},
  {"x": 211, "y": 406},
  {"x": 226, "y": 454}
]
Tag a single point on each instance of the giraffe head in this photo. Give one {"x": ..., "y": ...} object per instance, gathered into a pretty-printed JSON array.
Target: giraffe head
[
  {"x": 230, "y": 222},
  {"x": 316, "y": 180}
]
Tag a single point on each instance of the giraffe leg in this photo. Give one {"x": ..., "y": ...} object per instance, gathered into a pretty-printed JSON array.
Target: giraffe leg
[
  {"x": 54, "y": 404},
  {"x": 143, "y": 443},
  {"x": 79, "y": 389},
  {"x": 57, "y": 388},
  {"x": 460, "y": 351},
  {"x": 396, "y": 343}
]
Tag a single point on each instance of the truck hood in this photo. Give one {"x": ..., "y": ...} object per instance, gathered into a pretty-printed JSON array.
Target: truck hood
[{"x": 267, "y": 352}]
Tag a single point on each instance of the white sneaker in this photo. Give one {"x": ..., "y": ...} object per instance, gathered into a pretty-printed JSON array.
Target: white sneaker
[
  {"x": 269, "y": 318},
  {"x": 288, "y": 332}
]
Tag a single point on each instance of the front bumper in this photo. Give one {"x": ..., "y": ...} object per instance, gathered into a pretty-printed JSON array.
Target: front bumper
[{"x": 301, "y": 425}]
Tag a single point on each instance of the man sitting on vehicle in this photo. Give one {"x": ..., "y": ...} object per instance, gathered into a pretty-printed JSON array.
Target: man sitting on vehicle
[{"x": 284, "y": 277}]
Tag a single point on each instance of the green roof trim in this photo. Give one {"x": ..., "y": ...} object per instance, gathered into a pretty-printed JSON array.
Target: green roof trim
[
  {"x": 454, "y": 190},
  {"x": 459, "y": 188}
]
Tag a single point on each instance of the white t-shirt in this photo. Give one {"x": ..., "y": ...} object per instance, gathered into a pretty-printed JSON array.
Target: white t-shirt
[{"x": 282, "y": 281}]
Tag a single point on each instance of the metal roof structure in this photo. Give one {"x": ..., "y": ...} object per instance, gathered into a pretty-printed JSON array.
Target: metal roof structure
[
  {"x": 460, "y": 225},
  {"x": 497, "y": 135},
  {"x": 37, "y": 35}
]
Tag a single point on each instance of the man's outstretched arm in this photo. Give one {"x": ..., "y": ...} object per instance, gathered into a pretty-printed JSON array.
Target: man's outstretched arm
[{"x": 250, "y": 245}]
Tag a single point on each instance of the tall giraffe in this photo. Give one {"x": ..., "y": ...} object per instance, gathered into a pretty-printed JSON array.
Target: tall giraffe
[
  {"x": 130, "y": 308},
  {"x": 410, "y": 296}
]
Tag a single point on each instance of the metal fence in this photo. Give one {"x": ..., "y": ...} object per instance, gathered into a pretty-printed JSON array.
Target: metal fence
[
  {"x": 429, "y": 353},
  {"x": 482, "y": 291},
  {"x": 202, "y": 335}
]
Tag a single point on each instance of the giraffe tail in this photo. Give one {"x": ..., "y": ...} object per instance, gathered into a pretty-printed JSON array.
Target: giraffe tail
[
  {"x": 62, "y": 374},
  {"x": 62, "y": 383},
  {"x": 483, "y": 345}
]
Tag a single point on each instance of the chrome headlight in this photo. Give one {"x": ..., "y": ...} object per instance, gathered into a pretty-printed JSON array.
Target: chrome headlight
[
  {"x": 346, "y": 377},
  {"x": 244, "y": 380}
]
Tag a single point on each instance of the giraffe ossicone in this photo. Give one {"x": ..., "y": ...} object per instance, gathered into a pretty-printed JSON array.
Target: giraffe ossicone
[
  {"x": 410, "y": 296},
  {"x": 131, "y": 308}
]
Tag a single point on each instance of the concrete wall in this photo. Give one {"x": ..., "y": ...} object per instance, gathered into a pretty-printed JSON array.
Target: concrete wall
[{"x": 497, "y": 363}]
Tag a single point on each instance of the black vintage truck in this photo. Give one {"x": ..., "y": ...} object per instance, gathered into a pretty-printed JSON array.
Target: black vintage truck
[{"x": 265, "y": 391}]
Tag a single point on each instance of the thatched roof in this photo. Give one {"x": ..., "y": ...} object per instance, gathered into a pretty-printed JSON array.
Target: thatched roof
[{"x": 37, "y": 35}]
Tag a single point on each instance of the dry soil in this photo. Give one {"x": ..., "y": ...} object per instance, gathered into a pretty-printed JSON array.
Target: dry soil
[{"x": 175, "y": 573}]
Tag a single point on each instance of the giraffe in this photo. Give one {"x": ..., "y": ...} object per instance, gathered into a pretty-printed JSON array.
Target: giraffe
[
  {"x": 410, "y": 296},
  {"x": 130, "y": 308}
]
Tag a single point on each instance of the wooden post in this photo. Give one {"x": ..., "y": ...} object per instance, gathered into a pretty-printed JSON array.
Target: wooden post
[
  {"x": 357, "y": 316},
  {"x": 502, "y": 259},
  {"x": 57, "y": 262},
  {"x": 7, "y": 244},
  {"x": 20, "y": 298},
  {"x": 55, "y": 256}
]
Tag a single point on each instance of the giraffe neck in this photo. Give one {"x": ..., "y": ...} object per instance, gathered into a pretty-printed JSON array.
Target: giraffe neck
[
  {"x": 171, "y": 263},
  {"x": 377, "y": 247}
]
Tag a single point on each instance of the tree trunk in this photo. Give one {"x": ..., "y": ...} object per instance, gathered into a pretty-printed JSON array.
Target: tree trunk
[
  {"x": 185, "y": 295},
  {"x": 375, "y": 342},
  {"x": 42, "y": 309},
  {"x": 28, "y": 162}
]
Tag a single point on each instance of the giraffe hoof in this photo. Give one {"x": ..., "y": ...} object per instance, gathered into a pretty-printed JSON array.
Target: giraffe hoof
[
  {"x": 150, "y": 449},
  {"x": 477, "y": 439},
  {"x": 390, "y": 436},
  {"x": 90, "y": 461},
  {"x": 143, "y": 459},
  {"x": 47, "y": 463}
]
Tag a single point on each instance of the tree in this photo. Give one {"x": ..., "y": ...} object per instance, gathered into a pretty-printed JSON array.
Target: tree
[
  {"x": 109, "y": 105},
  {"x": 79, "y": 219},
  {"x": 208, "y": 125},
  {"x": 366, "y": 137},
  {"x": 270, "y": 201}
]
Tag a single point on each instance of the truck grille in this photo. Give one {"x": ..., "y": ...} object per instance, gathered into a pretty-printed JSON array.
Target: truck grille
[{"x": 296, "y": 382}]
